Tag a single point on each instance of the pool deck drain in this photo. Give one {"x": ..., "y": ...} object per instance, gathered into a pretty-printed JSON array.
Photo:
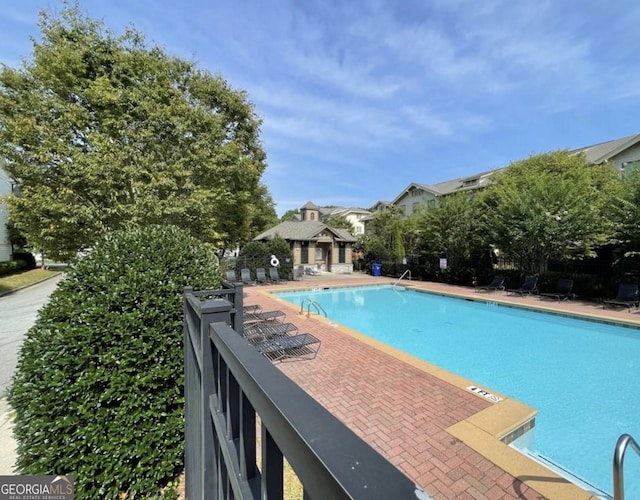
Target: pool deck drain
[{"x": 423, "y": 419}]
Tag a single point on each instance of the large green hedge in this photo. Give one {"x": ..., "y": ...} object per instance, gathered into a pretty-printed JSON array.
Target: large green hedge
[{"x": 98, "y": 392}]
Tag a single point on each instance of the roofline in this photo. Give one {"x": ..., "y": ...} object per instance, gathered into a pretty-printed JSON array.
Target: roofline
[
  {"x": 424, "y": 187},
  {"x": 632, "y": 140}
]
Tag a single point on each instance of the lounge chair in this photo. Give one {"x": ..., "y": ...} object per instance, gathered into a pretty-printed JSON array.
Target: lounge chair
[
  {"x": 245, "y": 275},
  {"x": 627, "y": 297},
  {"x": 298, "y": 273},
  {"x": 496, "y": 284},
  {"x": 256, "y": 317},
  {"x": 563, "y": 290},
  {"x": 261, "y": 276},
  {"x": 273, "y": 274},
  {"x": 251, "y": 309},
  {"x": 529, "y": 286},
  {"x": 231, "y": 277},
  {"x": 301, "y": 346},
  {"x": 261, "y": 331}
]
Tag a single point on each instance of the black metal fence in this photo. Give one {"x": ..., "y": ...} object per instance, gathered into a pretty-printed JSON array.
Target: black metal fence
[{"x": 228, "y": 384}]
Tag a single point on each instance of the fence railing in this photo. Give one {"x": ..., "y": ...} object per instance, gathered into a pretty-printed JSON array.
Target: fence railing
[{"x": 228, "y": 386}]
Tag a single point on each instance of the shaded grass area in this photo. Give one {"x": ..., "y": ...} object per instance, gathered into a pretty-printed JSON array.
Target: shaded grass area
[{"x": 25, "y": 278}]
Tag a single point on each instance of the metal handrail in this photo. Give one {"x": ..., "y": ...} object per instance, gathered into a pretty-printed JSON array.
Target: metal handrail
[
  {"x": 408, "y": 271},
  {"x": 312, "y": 302},
  {"x": 618, "y": 462}
]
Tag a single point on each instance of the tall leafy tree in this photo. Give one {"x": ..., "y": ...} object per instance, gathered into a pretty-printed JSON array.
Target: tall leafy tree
[
  {"x": 452, "y": 229},
  {"x": 628, "y": 212},
  {"x": 102, "y": 131},
  {"x": 263, "y": 211},
  {"x": 378, "y": 242},
  {"x": 552, "y": 205}
]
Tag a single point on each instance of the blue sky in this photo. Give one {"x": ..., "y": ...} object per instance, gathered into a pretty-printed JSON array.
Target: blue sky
[{"x": 360, "y": 98}]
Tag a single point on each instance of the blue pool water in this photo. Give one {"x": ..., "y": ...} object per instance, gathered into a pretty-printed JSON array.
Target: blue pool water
[{"x": 583, "y": 377}]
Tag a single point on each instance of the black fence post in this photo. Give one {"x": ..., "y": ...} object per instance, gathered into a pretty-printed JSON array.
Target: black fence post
[{"x": 212, "y": 311}]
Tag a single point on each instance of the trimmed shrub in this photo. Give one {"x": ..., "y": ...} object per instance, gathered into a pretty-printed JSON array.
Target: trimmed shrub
[
  {"x": 98, "y": 391},
  {"x": 12, "y": 266},
  {"x": 26, "y": 257}
]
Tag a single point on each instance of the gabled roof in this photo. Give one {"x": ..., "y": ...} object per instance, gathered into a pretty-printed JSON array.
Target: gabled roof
[
  {"x": 380, "y": 205},
  {"x": 468, "y": 183},
  {"x": 308, "y": 230},
  {"x": 347, "y": 211},
  {"x": 599, "y": 153},
  {"x": 411, "y": 187}
]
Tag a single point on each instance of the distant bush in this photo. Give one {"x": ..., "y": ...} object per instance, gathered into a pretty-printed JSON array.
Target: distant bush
[
  {"x": 12, "y": 266},
  {"x": 26, "y": 257},
  {"x": 98, "y": 391},
  {"x": 258, "y": 254}
]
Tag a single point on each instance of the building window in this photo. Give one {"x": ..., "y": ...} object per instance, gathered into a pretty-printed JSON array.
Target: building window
[
  {"x": 341, "y": 257},
  {"x": 312, "y": 216},
  {"x": 630, "y": 166},
  {"x": 431, "y": 203},
  {"x": 318, "y": 253},
  {"x": 304, "y": 253}
]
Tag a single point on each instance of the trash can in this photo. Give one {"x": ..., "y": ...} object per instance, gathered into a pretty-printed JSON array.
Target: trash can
[{"x": 375, "y": 269}]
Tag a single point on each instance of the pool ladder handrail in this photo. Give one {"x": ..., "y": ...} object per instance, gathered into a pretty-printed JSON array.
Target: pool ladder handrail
[
  {"x": 618, "y": 462},
  {"x": 408, "y": 271},
  {"x": 312, "y": 302}
]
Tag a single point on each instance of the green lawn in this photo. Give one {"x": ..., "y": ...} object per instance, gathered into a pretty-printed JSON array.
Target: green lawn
[{"x": 24, "y": 278}]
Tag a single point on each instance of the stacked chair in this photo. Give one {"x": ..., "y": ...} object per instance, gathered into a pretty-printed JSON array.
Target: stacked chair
[{"x": 275, "y": 339}]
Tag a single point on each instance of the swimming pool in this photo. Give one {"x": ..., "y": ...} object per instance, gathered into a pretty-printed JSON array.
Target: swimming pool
[{"x": 582, "y": 376}]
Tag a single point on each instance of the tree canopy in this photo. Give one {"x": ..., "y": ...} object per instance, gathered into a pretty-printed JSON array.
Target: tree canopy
[
  {"x": 452, "y": 229},
  {"x": 552, "y": 205},
  {"x": 340, "y": 222},
  {"x": 290, "y": 215},
  {"x": 629, "y": 212},
  {"x": 102, "y": 131}
]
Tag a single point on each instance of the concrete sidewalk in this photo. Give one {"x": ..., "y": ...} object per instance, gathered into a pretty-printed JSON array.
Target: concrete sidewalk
[{"x": 7, "y": 442}]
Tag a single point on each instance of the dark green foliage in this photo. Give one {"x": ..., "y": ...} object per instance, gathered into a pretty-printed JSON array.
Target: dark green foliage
[
  {"x": 12, "y": 266},
  {"x": 26, "y": 257},
  {"x": 549, "y": 206},
  {"x": 280, "y": 248},
  {"x": 98, "y": 392},
  {"x": 257, "y": 254},
  {"x": 376, "y": 251},
  {"x": 256, "y": 250}
]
